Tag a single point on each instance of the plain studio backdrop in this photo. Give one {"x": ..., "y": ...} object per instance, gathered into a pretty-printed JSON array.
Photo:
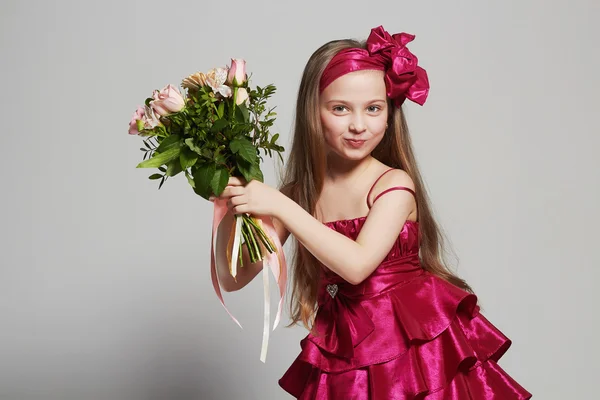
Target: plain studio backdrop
[{"x": 105, "y": 290}]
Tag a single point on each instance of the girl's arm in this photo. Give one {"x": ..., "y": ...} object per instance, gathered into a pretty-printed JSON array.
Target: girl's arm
[
  {"x": 354, "y": 261},
  {"x": 246, "y": 273}
]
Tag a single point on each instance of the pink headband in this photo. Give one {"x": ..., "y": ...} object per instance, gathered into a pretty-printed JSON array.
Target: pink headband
[{"x": 404, "y": 79}]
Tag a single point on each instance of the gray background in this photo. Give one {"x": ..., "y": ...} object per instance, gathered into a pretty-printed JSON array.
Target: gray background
[{"x": 104, "y": 281}]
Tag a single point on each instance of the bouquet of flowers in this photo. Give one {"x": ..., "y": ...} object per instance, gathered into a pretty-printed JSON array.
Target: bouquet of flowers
[{"x": 212, "y": 131}]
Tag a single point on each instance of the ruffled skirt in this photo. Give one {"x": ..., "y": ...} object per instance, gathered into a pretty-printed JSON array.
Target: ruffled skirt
[{"x": 425, "y": 339}]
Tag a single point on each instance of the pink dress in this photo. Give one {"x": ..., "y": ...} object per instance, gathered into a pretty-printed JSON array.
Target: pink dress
[{"x": 403, "y": 333}]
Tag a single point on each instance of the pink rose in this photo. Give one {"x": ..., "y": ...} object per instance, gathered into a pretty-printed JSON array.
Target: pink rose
[
  {"x": 237, "y": 72},
  {"x": 138, "y": 115},
  {"x": 242, "y": 96},
  {"x": 167, "y": 101}
]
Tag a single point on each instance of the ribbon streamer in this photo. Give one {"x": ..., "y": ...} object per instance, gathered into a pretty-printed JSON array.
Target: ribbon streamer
[{"x": 274, "y": 261}]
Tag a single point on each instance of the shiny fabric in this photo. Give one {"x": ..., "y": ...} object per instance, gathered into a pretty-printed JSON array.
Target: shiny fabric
[
  {"x": 274, "y": 261},
  {"x": 403, "y": 77},
  {"x": 403, "y": 333}
]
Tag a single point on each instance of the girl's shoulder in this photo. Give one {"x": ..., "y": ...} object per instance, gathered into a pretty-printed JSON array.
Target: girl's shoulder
[
  {"x": 387, "y": 178},
  {"x": 392, "y": 180}
]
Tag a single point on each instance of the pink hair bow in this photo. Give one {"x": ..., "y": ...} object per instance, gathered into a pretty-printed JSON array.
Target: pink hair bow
[{"x": 404, "y": 79}]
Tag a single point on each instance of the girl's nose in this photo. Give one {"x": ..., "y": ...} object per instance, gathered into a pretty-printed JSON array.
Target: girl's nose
[{"x": 357, "y": 124}]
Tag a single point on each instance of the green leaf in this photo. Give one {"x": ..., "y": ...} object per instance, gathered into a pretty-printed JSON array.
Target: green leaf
[
  {"x": 160, "y": 158},
  {"x": 174, "y": 167},
  {"x": 208, "y": 154},
  {"x": 242, "y": 128},
  {"x": 220, "y": 180},
  {"x": 221, "y": 110},
  {"x": 155, "y": 176},
  {"x": 192, "y": 146},
  {"x": 219, "y": 125},
  {"x": 244, "y": 148},
  {"x": 220, "y": 159},
  {"x": 187, "y": 158},
  {"x": 190, "y": 179},
  {"x": 256, "y": 173},
  {"x": 203, "y": 176},
  {"x": 242, "y": 114},
  {"x": 168, "y": 143},
  {"x": 244, "y": 168},
  {"x": 250, "y": 171}
]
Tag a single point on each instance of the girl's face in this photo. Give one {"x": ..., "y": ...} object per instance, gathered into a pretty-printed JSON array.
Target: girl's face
[{"x": 354, "y": 112}]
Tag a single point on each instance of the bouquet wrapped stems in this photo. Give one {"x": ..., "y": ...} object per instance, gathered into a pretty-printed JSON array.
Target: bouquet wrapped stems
[
  {"x": 251, "y": 230},
  {"x": 214, "y": 131}
]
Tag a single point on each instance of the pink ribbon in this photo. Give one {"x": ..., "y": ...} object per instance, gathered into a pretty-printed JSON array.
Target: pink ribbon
[
  {"x": 404, "y": 79},
  {"x": 275, "y": 261},
  {"x": 341, "y": 325}
]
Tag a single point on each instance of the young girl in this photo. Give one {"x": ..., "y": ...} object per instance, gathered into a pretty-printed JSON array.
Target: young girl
[{"x": 387, "y": 319}]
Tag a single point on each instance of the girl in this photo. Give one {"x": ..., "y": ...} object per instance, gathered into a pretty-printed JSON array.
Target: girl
[{"x": 387, "y": 319}]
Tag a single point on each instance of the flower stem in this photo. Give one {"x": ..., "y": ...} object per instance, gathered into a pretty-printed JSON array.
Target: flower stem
[
  {"x": 252, "y": 232},
  {"x": 254, "y": 243},
  {"x": 235, "y": 90},
  {"x": 248, "y": 244},
  {"x": 263, "y": 235}
]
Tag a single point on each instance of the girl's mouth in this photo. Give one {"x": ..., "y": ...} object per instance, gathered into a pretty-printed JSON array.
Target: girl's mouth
[{"x": 355, "y": 143}]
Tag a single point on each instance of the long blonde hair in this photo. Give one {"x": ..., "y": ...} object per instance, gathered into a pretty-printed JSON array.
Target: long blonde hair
[{"x": 304, "y": 176}]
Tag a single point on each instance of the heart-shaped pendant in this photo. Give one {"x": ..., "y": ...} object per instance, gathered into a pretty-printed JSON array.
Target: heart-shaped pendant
[{"x": 332, "y": 290}]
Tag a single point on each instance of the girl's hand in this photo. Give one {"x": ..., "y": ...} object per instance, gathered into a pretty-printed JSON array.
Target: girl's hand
[{"x": 253, "y": 198}]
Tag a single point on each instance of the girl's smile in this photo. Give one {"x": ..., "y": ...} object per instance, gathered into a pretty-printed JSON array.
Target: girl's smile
[{"x": 356, "y": 143}]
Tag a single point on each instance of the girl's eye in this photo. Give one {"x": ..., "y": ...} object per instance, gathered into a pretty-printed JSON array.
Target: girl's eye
[{"x": 372, "y": 109}]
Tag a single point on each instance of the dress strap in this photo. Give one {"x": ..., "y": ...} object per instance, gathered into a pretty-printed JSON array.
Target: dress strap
[
  {"x": 375, "y": 183},
  {"x": 395, "y": 188},
  {"x": 387, "y": 190}
]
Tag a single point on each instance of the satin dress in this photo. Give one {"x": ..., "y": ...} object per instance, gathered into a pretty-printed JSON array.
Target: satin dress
[{"x": 403, "y": 333}]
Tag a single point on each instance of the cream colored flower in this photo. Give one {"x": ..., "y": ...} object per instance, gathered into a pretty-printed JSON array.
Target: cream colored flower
[
  {"x": 150, "y": 119},
  {"x": 242, "y": 97},
  {"x": 194, "y": 81},
  {"x": 215, "y": 78}
]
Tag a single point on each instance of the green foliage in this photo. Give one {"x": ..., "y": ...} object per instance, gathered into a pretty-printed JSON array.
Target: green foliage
[{"x": 212, "y": 139}]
